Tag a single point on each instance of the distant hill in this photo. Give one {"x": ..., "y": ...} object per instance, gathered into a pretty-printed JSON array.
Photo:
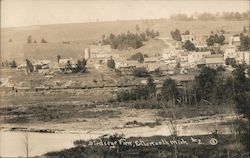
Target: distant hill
[{"x": 80, "y": 35}]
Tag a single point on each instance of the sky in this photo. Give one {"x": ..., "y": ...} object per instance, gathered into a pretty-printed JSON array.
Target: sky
[{"x": 15, "y": 13}]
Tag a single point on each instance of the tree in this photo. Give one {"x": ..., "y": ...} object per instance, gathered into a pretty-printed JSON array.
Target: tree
[
  {"x": 178, "y": 65},
  {"x": 214, "y": 38},
  {"x": 30, "y": 67},
  {"x": 176, "y": 35},
  {"x": 187, "y": 32},
  {"x": 138, "y": 56},
  {"x": 29, "y": 40},
  {"x": 170, "y": 91},
  {"x": 140, "y": 72},
  {"x": 10, "y": 40},
  {"x": 244, "y": 42},
  {"x": 58, "y": 58},
  {"x": 242, "y": 100},
  {"x": 26, "y": 143},
  {"x": 244, "y": 29},
  {"x": 13, "y": 64},
  {"x": 111, "y": 63},
  {"x": 43, "y": 41},
  {"x": 205, "y": 83},
  {"x": 151, "y": 86},
  {"x": 81, "y": 65},
  {"x": 68, "y": 65},
  {"x": 137, "y": 28},
  {"x": 189, "y": 46},
  {"x": 141, "y": 92},
  {"x": 231, "y": 62}
]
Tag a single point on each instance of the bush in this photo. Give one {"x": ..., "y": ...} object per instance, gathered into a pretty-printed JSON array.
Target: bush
[{"x": 140, "y": 72}]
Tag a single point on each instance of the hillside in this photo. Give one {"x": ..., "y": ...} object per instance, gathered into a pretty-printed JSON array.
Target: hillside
[{"x": 81, "y": 34}]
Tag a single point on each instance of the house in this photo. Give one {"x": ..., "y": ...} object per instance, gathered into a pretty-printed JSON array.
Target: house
[
  {"x": 97, "y": 51},
  {"x": 40, "y": 64},
  {"x": 151, "y": 59},
  {"x": 200, "y": 46},
  {"x": 214, "y": 60},
  {"x": 188, "y": 37},
  {"x": 170, "y": 54},
  {"x": 234, "y": 40},
  {"x": 22, "y": 67},
  {"x": 126, "y": 70},
  {"x": 44, "y": 71},
  {"x": 64, "y": 61},
  {"x": 195, "y": 58},
  {"x": 183, "y": 57},
  {"x": 243, "y": 57},
  {"x": 151, "y": 63},
  {"x": 127, "y": 67},
  {"x": 230, "y": 52}
]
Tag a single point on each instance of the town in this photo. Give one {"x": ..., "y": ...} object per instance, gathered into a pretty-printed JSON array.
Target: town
[
  {"x": 186, "y": 53},
  {"x": 155, "y": 82}
]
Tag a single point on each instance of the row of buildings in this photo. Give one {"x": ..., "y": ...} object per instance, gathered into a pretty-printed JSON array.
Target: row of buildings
[{"x": 172, "y": 57}]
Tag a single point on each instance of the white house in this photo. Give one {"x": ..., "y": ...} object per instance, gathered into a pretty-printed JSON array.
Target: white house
[
  {"x": 234, "y": 40},
  {"x": 189, "y": 37}
]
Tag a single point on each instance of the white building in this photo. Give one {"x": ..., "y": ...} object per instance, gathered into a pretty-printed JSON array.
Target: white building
[
  {"x": 234, "y": 40},
  {"x": 214, "y": 61},
  {"x": 243, "y": 57},
  {"x": 189, "y": 37},
  {"x": 230, "y": 52},
  {"x": 96, "y": 51},
  {"x": 196, "y": 57}
]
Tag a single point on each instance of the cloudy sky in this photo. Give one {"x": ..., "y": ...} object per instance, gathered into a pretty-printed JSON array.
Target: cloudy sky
[{"x": 40, "y": 12}]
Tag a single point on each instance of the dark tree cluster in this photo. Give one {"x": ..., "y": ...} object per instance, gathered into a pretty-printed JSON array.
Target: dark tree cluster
[
  {"x": 140, "y": 72},
  {"x": 219, "y": 39},
  {"x": 244, "y": 42},
  {"x": 176, "y": 35},
  {"x": 181, "y": 17},
  {"x": 44, "y": 41},
  {"x": 30, "y": 67},
  {"x": 152, "y": 33},
  {"x": 111, "y": 63},
  {"x": 188, "y": 45},
  {"x": 209, "y": 16},
  {"x": 80, "y": 66},
  {"x": 30, "y": 40},
  {"x": 235, "y": 16},
  {"x": 133, "y": 40},
  {"x": 9, "y": 64},
  {"x": 143, "y": 92},
  {"x": 231, "y": 62},
  {"x": 138, "y": 56}
]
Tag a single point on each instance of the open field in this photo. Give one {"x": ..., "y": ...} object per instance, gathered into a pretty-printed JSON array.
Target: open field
[{"x": 80, "y": 35}]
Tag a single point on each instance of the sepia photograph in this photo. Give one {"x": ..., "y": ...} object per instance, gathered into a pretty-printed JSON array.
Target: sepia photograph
[{"x": 124, "y": 78}]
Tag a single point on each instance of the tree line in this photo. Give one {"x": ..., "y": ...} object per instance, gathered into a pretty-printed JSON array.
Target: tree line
[
  {"x": 133, "y": 40},
  {"x": 30, "y": 40},
  {"x": 211, "y": 86},
  {"x": 209, "y": 16}
]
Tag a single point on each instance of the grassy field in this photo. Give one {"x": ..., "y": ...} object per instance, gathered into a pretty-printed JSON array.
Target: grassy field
[{"x": 81, "y": 34}]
